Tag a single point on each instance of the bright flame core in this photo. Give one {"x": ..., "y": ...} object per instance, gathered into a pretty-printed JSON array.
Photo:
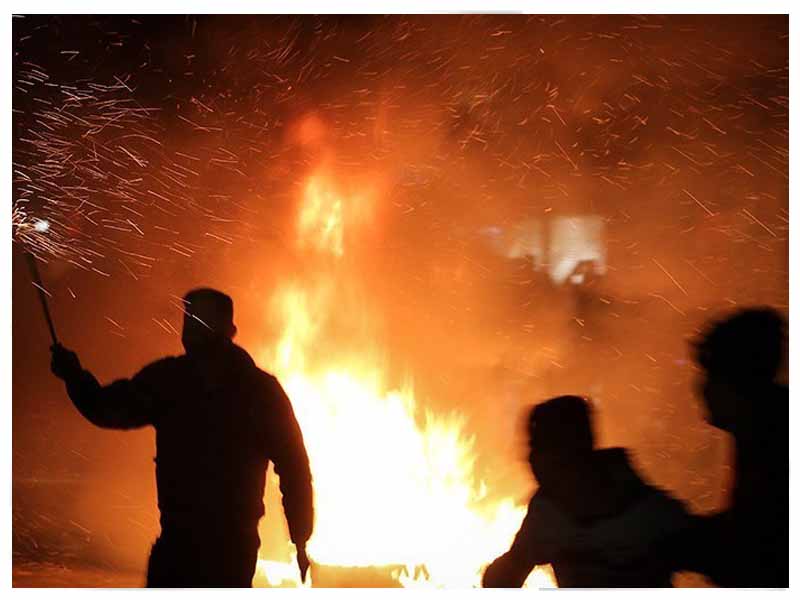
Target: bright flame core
[
  {"x": 393, "y": 484},
  {"x": 321, "y": 217}
]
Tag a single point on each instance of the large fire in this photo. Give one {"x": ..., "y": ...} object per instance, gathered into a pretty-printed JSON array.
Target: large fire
[{"x": 394, "y": 483}]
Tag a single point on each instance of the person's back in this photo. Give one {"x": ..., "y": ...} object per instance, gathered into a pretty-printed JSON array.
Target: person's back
[
  {"x": 219, "y": 420},
  {"x": 215, "y": 418},
  {"x": 587, "y": 495},
  {"x": 759, "y": 511},
  {"x": 747, "y": 544}
]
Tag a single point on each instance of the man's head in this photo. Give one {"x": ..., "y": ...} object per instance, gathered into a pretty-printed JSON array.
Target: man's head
[
  {"x": 207, "y": 320},
  {"x": 560, "y": 436},
  {"x": 739, "y": 355}
]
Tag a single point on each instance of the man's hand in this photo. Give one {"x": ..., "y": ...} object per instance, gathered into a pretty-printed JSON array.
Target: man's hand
[
  {"x": 64, "y": 363},
  {"x": 302, "y": 561},
  {"x": 506, "y": 572}
]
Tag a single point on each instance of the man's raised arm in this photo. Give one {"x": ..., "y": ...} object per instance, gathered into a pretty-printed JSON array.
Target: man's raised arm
[{"x": 124, "y": 404}]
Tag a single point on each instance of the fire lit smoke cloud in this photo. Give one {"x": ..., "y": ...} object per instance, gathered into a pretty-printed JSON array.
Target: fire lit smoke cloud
[{"x": 396, "y": 205}]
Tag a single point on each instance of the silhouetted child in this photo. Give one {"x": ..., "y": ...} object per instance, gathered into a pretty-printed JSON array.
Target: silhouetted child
[{"x": 589, "y": 502}]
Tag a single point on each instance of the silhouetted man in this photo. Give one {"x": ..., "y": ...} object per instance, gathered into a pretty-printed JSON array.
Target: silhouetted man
[
  {"x": 219, "y": 420},
  {"x": 747, "y": 545},
  {"x": 588, "y": 495}
]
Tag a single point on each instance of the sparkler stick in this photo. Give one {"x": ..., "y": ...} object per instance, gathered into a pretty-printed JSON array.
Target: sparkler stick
[{"x": 37, "y": 282}]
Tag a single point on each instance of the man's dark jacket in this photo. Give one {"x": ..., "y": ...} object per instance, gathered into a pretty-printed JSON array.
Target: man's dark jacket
[{"x": 219, "y": 421}]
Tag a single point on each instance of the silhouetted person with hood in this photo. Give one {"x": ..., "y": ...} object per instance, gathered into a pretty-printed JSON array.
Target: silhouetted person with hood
[
  {"x": 747, "y": 545},
  {"x": 219, "y": 421},
  {"x": 586, "y": 494}
]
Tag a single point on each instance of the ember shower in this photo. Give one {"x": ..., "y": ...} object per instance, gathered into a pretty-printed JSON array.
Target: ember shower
[{"x": 426, "y": 223}]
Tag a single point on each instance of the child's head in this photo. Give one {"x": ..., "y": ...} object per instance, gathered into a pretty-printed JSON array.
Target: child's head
[
  {"x": 739, "y": 355},
  {"x": 560, "y": 436},
  {"x": 744, "y": 346}
]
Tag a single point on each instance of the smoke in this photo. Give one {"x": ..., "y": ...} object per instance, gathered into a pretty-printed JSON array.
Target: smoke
[{"x": 456, "y": 132}]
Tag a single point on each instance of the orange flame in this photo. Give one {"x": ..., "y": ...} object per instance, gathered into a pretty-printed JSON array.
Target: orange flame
[
  {"x": 320, "y": 219},
  {"x": 393, "y": 483}
]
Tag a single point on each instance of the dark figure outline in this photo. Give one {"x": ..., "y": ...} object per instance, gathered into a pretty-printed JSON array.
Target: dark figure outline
[
  {"x": 746, "y": 544},
  {"x": 219, "y": 421},
  {"x": 589, "y": 501}
]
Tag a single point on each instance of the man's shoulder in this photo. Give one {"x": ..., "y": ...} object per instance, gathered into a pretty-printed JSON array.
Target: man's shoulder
[
  {"x": 635, "y": 488},
  {"x": 167, "y": 361},
  {"x": 618, "y": 465},
  {"x": 649, "y": 499},
  {"x": 245, "y": 364},
  {"x": 265, "y": 377},
  {"x": 163, "y": 366},
  {"x": 268, "y": 386},
  {"x": 546, "y": 529},
  {"x": 161, "y": 376},
  {"x": 546, "y": 513}
]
